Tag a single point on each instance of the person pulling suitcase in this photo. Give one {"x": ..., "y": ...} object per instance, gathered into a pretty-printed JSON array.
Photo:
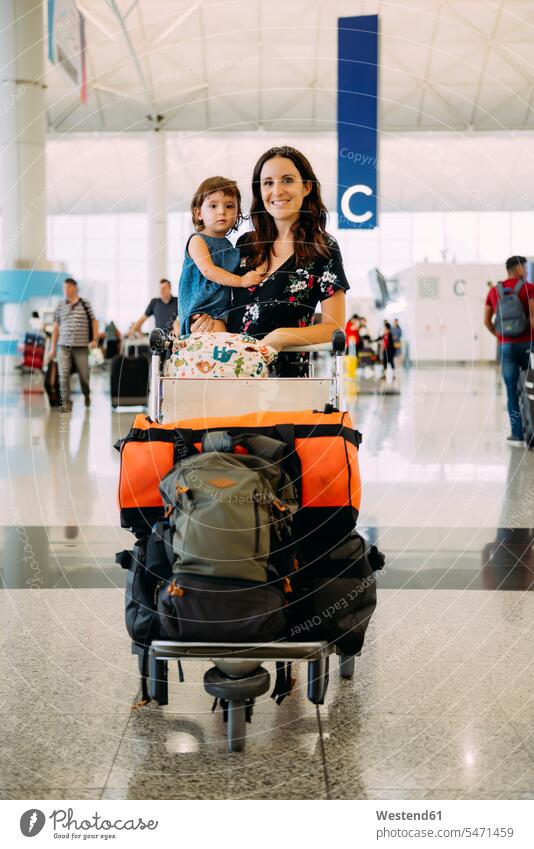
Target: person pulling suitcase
[
  {"x": 164, "y": 309},
  {"x": 75, "y": 330}
]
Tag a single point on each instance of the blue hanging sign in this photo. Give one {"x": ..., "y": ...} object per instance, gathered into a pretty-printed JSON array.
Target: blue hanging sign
[{"x": 357, "y": 122}]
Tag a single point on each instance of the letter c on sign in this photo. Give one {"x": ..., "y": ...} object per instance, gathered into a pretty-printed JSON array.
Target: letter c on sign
[
  {"x": 345, "y": 204},
  {"x": 459, "y": 288}
]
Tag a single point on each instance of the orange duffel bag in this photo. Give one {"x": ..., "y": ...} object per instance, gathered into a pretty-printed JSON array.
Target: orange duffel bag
[{"x": 322, "y": 460}]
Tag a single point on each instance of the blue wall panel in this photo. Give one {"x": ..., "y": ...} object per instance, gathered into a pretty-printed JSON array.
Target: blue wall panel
[{"x": 357, "y": 122}]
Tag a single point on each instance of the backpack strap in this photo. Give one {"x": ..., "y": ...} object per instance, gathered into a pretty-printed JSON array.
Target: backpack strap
[
  {"x": 89, "y": 322},
  {"x": 183, "y": 444},
  {"x": 166, "y": 535},
  {"x": 518, "y": 286}
]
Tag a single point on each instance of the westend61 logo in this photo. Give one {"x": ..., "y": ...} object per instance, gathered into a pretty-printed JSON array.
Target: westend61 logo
[{"x": 67, "y": 827}]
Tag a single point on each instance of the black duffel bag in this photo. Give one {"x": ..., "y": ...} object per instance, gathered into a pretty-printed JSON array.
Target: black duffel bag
[
  {"x": 196, "y": 608},
  {"x": 335, "y": 595},
  {"x": 149, "y": 566}
]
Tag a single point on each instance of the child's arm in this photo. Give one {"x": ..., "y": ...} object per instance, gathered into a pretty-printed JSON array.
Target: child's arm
[
  {"x": 216, "y": 324},
  {"x": 199, "y": 253}
]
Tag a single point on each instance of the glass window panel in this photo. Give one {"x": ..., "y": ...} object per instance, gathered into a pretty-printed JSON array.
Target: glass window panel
[
  {"x": 68, "y": 226},
  {"x": 133, "y": 226},
  {"x": 395, "y": 253},
  {"x": 394, "y": 225},
  {"x": 72, "y": 254},
  {"x": 101, "y": 227},
  {"x": 461, "y": 236},
  {"x": 428, "y": 236},
  {"x": 98, "y": 270},
  {"x": 523, "y": 233},
  {"x": 494, "y": 236}
]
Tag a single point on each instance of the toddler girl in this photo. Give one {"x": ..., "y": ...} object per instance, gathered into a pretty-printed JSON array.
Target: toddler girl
[{"x": 210, "y": 260}]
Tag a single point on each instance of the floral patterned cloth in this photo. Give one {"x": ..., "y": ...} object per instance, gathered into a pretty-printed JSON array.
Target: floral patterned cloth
[
  {"x": 219, "y": 355},
  {"x": 287, "y": 298}
]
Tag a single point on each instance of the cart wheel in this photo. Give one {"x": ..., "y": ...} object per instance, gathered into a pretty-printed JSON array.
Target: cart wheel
[
  {"x": 346, "y": 665},
  {"x": 236, "y": 728}
]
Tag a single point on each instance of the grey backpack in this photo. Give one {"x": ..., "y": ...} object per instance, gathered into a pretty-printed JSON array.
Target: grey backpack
[
  {"x": 231, "y": 513},
  {"x": 510, "y": 317}
]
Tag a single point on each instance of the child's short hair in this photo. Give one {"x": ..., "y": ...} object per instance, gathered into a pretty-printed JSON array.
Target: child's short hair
[{"x": 209, "y": 187}]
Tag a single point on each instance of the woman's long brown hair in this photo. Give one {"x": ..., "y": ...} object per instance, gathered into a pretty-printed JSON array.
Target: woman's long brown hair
[{"x": 309, "y": 233}]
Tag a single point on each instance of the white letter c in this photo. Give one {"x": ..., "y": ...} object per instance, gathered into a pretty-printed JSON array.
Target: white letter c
[{"x": 345, "y": 204}]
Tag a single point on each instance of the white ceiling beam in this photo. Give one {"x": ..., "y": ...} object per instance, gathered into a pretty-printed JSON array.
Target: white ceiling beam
[
  {"x": 97, "y": 95},
  {"x": 175, "y": 24},
  {"x": 96, "y": 21},
  {"x": 316, "y": 64},
  {"x": 204, "y": 65},
  {"x": 66, "y": 113},
  {"x": 501, "y": 50},
  {"x": 135, "y": 58},
  {"x": 171, "y": 112},
  {"x": 429, "y": 61},
  {"x": 489, "y": 44},
  {"x": 144, "y": 57},
  {"x": 425, "y": 84},
  {"x": 259, "y": 46}
]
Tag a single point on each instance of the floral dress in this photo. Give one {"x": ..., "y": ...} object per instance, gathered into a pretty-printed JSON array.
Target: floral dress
[{"x": 287, "y": 298}]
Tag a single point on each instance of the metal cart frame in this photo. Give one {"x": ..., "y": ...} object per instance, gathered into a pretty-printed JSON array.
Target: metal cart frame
[{"x": 238, "y": 677}]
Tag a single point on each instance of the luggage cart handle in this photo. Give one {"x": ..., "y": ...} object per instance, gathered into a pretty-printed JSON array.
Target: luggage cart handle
[
  {"x": 159, "y": 342},
  {"x": 336, "y": 345}
]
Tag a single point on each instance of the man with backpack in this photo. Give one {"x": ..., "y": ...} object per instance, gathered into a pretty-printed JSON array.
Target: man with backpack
[
  {"x": 511, "y": 305},
  {"x": 75, "y": 329}
]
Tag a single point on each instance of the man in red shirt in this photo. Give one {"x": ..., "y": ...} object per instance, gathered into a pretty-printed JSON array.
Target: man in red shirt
[{"x": 514, "y": 350}]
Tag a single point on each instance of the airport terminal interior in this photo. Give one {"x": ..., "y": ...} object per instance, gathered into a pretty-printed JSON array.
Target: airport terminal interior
[{"x": 97, "y": 187}]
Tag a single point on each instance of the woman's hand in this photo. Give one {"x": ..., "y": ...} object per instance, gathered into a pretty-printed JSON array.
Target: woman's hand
[
  {"x": 201, "y": 323},
  {"x": 281, "y": 338},
  {"x": 272, "y": 341}
]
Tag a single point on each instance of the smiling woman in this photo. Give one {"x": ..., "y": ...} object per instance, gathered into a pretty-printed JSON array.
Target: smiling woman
[{"x": 301, "y": 261}]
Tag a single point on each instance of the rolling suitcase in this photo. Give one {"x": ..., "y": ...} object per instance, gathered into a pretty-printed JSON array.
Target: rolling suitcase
[
  {"x": 129, "y": 381},
  {"x": 526, "y": 402},
  {"x": 33, "y": 351},
  {"x": 51, "y": 384}
]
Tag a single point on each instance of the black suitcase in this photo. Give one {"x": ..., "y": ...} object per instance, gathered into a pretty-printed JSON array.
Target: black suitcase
[
  {"x": 129, "y": 381},
  {"x": 526, "y": 402},
  {"x": 51, "y": 384}
]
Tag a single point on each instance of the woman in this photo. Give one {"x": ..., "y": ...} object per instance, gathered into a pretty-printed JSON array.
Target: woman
[
  {"x": 388, "y": 349},
  {"x": 300, "y": 260}
]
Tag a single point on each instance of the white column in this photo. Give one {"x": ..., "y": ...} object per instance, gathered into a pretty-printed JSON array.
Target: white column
[
  {"x": 22, "y": 134},
  {"x": 157, "y": 210}
]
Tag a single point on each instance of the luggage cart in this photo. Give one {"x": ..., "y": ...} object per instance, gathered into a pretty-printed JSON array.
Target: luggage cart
[{"x": 238, "y": 677}]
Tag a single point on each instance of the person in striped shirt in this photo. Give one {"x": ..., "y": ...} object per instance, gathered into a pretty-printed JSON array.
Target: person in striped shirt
[{"x": 75, "y": 330}]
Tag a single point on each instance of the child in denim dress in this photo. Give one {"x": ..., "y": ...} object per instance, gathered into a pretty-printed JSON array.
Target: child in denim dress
[{"x": 210, "y": 260}]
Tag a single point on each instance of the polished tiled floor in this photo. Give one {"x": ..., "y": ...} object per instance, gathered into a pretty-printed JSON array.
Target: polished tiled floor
[{"x": 441, "y": 702}]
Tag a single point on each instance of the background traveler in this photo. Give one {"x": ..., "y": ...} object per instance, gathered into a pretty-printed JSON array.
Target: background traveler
[
  {"x": 75, "y": 328},
  {"x": 164, "y": 309},
  {"x": 396, "y": 332},
  {"x": 388, "y": 350},
  {"x": 515, "y": 343}
]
